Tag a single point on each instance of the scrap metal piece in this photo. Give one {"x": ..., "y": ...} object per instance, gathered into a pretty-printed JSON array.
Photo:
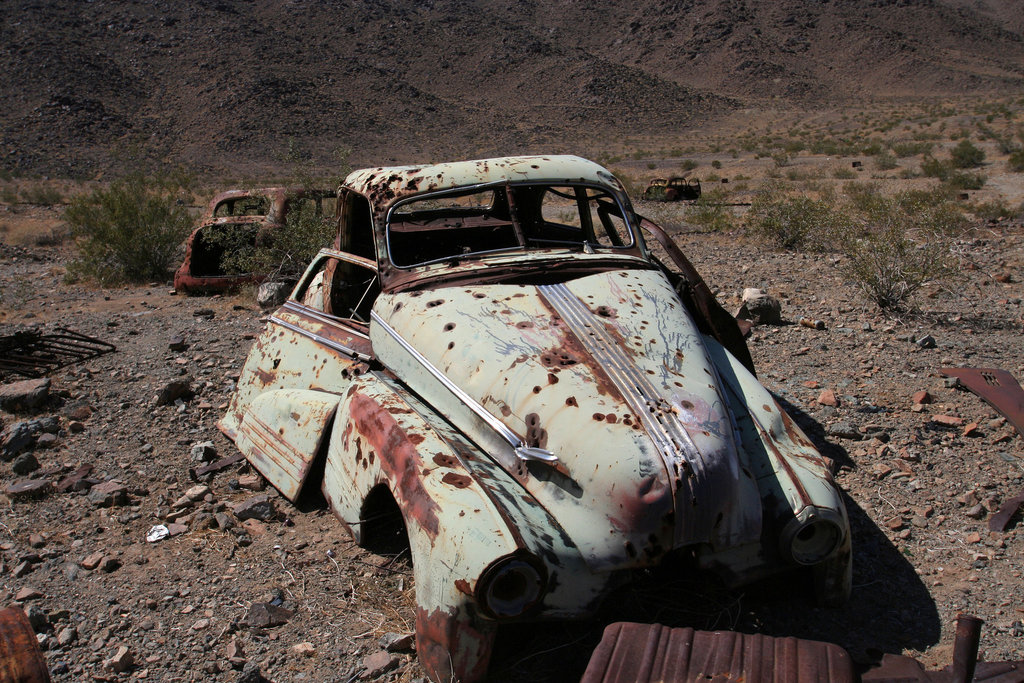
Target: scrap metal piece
[
  {"x": 32, "y": 354},
  {"x": 996, "y": 387},
  {"x": 652, "y": 652},
  {"x": 20, "y": 658},
  {"x": 195, "y": 472},
  {"x": 1001, "y": 520}
]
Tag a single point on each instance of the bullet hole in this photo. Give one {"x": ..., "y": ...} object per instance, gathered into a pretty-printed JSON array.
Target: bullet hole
[
  {"x": 686, "y": 405},
  {"x": 451, "y": 345},
  {"x": 536, "y": 390},
  {"x": 435, "y": 302},
  {"x": 571, "y": 401},
  {"x": 524, "y": 324},
  {"x": 449, "y": 327},
  {"x": 552, "y": 378},
  {"x": 599, "y": 417},
  {"x": 611, "y": 418}
]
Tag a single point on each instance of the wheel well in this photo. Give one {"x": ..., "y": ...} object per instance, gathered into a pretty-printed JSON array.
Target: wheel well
[{"x": 383, "y": 528}]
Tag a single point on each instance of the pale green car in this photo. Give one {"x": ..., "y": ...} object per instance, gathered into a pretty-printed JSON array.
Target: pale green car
[{"x": 492, "y": 344}]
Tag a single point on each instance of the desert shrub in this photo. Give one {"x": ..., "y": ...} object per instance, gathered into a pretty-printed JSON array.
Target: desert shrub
[
  {"x": 9, "y": 194},
  {"x": 911, "y": 149},
  {"x": 709, "y": 213},
  {"x": 716, "y": 164},
  {"x": 962, "y": 180},
  {"x": 41, "y": 195},
  {"x": 896, "y": 245},
  {"x": 688, "y": 164},
  {"x": 1016, "y": 161},
  {"x": 130, "y": 231},
  {"x": 885, "y": 161},
  {"x": 992, "y": 210},
  {"x": 792, "y": 221},
  {"x": 966, "y": 155},
  {"x": 933, "y": 168},
  {"x": 843, "y": 173}
]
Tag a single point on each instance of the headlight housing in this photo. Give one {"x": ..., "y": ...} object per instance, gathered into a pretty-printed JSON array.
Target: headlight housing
[
  {"x": 812, "y": 536},
  {"x": 511, "y": 585}
]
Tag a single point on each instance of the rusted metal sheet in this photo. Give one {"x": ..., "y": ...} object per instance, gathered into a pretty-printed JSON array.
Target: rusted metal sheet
[
  {"x": 996, "y": 387},
  {"x": 20, "y": 658},
  {"x": 649, "y": 653},
  {"x": 528, "y": 384},
  {"x": 1001, "y": 520},
  {"x": 33, "y": 354}
]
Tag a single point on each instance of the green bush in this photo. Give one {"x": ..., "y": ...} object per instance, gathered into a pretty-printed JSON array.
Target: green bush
[
  {"x": 791, "y": 221},
  {"x": 709, "y": 213},
  {"x": 130, "y": 231},
  {"x": 933, "y": 168},
  {"x": 911, "y": 149},
  {"x": 962, "y": 180},
  {"x": 1016, "y": 161},
  {"x": 688, "y": 164},
  {"x": 41, "y": 196},
  {"x": 966, "y": 155},
  {"x": 885, "y": 161}
]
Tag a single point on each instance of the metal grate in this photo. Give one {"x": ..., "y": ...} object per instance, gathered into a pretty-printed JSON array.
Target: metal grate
[{"x": 33, "y": 354}]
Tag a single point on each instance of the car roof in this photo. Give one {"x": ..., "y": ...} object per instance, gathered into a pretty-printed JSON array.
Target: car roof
[{"x": 386, "y": 184}]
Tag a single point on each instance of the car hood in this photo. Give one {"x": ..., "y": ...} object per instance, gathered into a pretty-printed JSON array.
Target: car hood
[{"x": 610, "y": 374}]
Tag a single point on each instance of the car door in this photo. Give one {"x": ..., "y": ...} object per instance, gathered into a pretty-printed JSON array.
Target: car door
[{"x": 301, "y": 364}]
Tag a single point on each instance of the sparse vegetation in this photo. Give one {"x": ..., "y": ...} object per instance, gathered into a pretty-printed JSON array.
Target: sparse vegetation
[
  {"x": 1016, "y": 161},
  {"x": 966, "y": 155},
  {"x": 791, "y": 221},
  {"x": 130, "y": 231},
  {"x": 708, "y": 212}
]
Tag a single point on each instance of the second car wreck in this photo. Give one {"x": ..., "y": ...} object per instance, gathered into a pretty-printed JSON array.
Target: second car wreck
[{"x": 493, "y": 345}]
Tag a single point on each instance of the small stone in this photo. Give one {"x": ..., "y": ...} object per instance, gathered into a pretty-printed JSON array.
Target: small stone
[
  {"x": 76, "y": 427},
  {"x": 811, "y": 384},
  {"x": 121, "y": 661},
  {"x": 27, "y": 593},
  {"x": 975, "y": 511},
  {"x": 378, "y": 664},
  {"x": 108, "y": 494},
  {"x": 109, "y": 564},
  {"x": 305, "y": 649},
  {"x": 926, "y": 342},
  {"x": 828, "y": 398},
  {"x": 922, "y": 397},
  {"x": 844, "y": 430},
  {"x": 948, "y": 420},
  {"x": 251, "y": 482},
  {"x": 67, "y": 636},
  {"x": 25, "y": 463},
  {"x": 47, "y": 440},
  {"x": 179, "y": 389},
  {"x": 27, "y": 394},
  {"x": 197, "y": 493},
  {"x": 234, "y": 650},
  {"x": 203, "y": 313},
  {"x": 22, "y": 569},
  {"x": 895, "y": 524},
  {"x": 760, "y": 308},
  {"x": 177, "y": 343},
  {"x": 258, "y": 507},
  {"x": 203, "y": 451},
  {"x": 76, "y": 481},
  {"x": 80, "y": 413},
  {"x": 175, "y": 529},
  {"x": 397, "y": 642},
  {"x": 36, "y": 541},
  {"x": 92, "y": 561},
  {"x": 951, "y": 382},
  {"x": 265, "y": 615},
  {"x": 971, "y": 429},
  {"x": 200, "y": 624},
  {"x": 223, "y": 521},
  {"x": 973, "y": 537},
  {"x": 16, "y": 438},
  {"x": 28, "y": 488},
  {"x": 271, "y": 294},
  {"x": 880, "y": 470}
]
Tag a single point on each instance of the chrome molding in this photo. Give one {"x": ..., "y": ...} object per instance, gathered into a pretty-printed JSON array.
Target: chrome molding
[{"x": 331, "y": 344}]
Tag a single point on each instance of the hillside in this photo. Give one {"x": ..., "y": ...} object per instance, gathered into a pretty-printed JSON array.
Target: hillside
[{"x": 227, "y": 85}]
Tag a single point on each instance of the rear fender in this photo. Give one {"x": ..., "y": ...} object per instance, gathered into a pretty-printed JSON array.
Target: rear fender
[
  {"x": 455, "y": 530},
  {"x": 280, "y": 434}
]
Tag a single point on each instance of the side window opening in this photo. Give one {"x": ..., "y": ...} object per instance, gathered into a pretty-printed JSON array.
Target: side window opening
[
  {"x": 342, "y": 289},
  {"x": 355, "y": 226}
]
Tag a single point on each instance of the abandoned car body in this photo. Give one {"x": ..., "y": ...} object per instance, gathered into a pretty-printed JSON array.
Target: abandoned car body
[
  {"x": 492, "y": 344},
  {"x": 236, "y": 220},
  {"x": 675, "y": 189}
]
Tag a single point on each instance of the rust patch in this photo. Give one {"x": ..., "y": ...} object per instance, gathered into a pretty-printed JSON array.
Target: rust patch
[
  {"x": 402, "y": 463},
  {"x": 552, "y": 378},
  {"x": 536, "y": 436},
  {"x": 450, "y": 648},
  {"x": 265, "y": 377},
  {"x": 434, "y": 303},
  {"x": 463, "y": 587},
  {"x": 606, "y": 312},
  {"x": 571, "y": 401},
  {"x": 445, "y": 460},
  {"x": 524, "y": 324},
  {"x": 599, "y": 417},
  {"x": 459, "y": 481},
  {"x": 557, "y": 359}
]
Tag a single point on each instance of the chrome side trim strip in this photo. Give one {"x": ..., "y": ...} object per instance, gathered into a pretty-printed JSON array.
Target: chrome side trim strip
[
  {"x": 319, "y": 316},
  {"x": 329, "y": 343},
  {"x": 523, "y": 451}
]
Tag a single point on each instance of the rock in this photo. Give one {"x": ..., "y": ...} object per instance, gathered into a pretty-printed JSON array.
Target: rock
[
  {"x": 37, "y": 618},
  {"x": 271, "y": 294},
  {"x": 22, "y": 569},
  {"x": 844, "y": 430},
  {"x": 173, "y": 391},
  {"x": 975, "y": 511},
  {"x": 27, "y": 593},
  {"x": 76, "y": 481},
  {"x": 305, "y": 649},
  {"x": 122, "y": 660},
  {"x": 265, "y": 615},
  {"x": 251, "y": 674},
  {"x": 25, "y": 395},
  {"x": 203, "y": 451},
  {"x": 92, "y": 561},
  {"x": 47, "y": 440},
  {"x": 760, "y": 308},
  {"x": 109, "y": 564},
  {"x": 257, "y": 507},
  {"x": 28, "y": 488},
  {"x": 80, "y": 413},
  {"x": 948, "y": 420},
  {"x": 207, "y": 313},
  {"x": 397, "y": 642},
  {"x": 15, "y": 439},
  {"x": 828, "y": 398},
  {"x": 378, "y": 664},
  {"x": 951, "y": 382},
  {"x": 67, "y": 636},
  {"x": 177, "y": 343},
  {"x": 197, "y": 493},
  {"x": 76, "y": 427},
  {"x": 25, "y": 463},
  {"x": 174, "y": 529},
  {"x": 201, "y": 624},
  {"x": 251, "y": 482},
  {"x": 223, "y": 521},
  {"x": 36, "y": 541},
  {"x": 926, "y": 342},
  {"x": 234, "y": 651},
  {"x": 922, "y": 397},
  {"x": 108, "y": 494}
]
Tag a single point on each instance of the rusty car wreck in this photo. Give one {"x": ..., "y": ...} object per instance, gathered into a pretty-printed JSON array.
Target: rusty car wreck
[
  {"x": 493, "y": 344},
  {"x": 236, "y": 220}
]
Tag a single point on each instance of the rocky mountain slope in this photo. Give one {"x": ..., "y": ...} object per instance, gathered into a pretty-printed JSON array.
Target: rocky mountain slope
[{"x": 228, "y": 85}]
